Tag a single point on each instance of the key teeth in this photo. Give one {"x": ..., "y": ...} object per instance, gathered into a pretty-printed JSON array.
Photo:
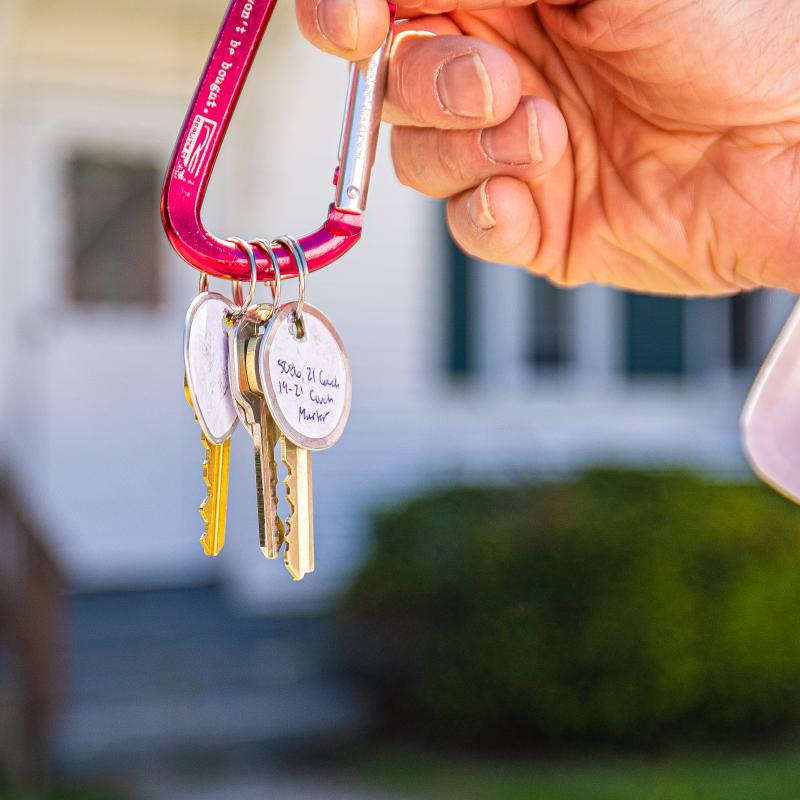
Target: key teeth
[
  {"x": 287, "y": 484},
  {"x": 203, "y": 510},
  {"x": 274, "y": 527},
  {"x": 291, "y": 519},
  {"x": 207, "y": 480},
  {"x": 206, "y": 470},
  {"x": 289, "y": 525},
  {"x": 280, "y": 528},
  {"x": 273, "y": 488}
]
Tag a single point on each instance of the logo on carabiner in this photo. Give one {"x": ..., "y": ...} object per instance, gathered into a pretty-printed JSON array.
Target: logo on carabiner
[{"x": 196, "y": 146}]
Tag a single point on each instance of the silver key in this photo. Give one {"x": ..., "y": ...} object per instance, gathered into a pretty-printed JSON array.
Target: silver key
[{"x": 255, "y": 417}]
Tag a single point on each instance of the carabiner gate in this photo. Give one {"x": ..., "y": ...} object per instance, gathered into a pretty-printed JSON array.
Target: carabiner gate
[{"x": 204, "y": 129}]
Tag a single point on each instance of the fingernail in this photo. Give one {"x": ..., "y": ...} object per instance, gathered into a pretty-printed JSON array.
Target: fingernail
[
  {"x": 516, "y": 141},
  {"x": 464, "y": 88},
  {"x": 338, "y": 20},
  {"x": 480, "y": 211}
]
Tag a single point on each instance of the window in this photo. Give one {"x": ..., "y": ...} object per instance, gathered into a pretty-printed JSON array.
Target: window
[
  {"x": 745, "y": 352},
  {"x": 506, "y": 327},
  {"x": 460, "y": 280},
  {"x": 113, "y": 208},
  {"x": 654, "y": 335},
  {"x": 551, "y": 324},
  {"x": 701, "y": 336}
]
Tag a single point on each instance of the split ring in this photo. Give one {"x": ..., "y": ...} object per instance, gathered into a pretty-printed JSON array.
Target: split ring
[
  {"x": 302, "y": 269},
  {"x": 244, "y": 304},
  {"x": 275, "y": 283}
]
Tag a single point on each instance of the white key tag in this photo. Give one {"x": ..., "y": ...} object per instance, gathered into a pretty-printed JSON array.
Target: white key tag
[
  {"x": 304, "y": 375},
  {"x": 771, "y": 417},
  {"x": 205, "y": 356}
]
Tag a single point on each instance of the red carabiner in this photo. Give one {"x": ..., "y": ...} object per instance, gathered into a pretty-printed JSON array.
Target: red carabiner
[{"x": 204, "y": 129}]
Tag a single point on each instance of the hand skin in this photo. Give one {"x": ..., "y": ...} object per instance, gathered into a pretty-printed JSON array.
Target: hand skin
[{"x": 650, "y": 145}]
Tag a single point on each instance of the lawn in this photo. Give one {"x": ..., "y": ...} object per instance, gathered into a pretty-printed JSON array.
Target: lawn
[{"x": 771, "y": 776}]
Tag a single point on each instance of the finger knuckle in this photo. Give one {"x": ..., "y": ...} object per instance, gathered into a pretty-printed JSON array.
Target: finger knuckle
[
  {"x": 407, "y": 88},
  {"x": 406, "y": 165},
  {"x": 453, "y": 160}
]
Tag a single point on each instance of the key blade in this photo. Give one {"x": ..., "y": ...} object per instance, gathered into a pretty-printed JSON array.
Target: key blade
[
  {"x": 270, "y": 438},
  {"x": 299, "y": 536},
  {"x": 270, "y": 526},
  {"x": 214, "y": 509}
]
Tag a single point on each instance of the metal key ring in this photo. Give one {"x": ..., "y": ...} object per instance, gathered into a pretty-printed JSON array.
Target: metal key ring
[
  {"x": 237, "y": 294},
  {"x": 275, "y": 284},
  {"x": 236, "y": 288},
  {"x": 244, "y": 304},
  {"x": 302, "y": 269}
]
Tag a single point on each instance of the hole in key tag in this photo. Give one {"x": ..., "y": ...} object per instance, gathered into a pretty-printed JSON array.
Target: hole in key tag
[{"x": 305, "y": 380}]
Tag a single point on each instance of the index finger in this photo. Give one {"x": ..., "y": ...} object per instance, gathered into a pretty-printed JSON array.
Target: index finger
[{"x": 354, "y": 29}]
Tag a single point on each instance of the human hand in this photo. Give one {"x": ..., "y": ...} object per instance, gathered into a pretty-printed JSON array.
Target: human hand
[{"x": 649, "y": 144}]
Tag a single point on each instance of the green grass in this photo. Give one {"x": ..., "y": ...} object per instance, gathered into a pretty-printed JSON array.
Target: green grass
[{"x": 773, "y": 776}]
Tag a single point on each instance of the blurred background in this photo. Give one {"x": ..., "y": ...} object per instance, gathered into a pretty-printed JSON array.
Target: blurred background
[{"x": 489, "y": 616}]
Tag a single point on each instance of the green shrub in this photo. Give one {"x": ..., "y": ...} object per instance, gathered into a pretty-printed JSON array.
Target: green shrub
[{"x": 620, "y": 607}]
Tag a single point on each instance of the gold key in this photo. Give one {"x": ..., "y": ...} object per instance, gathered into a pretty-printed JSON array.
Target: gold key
[
  {"x": 205, "y": 381},
  {"x": 214, "y": 507},
  {"x": 299, "y": 367},
  {"x": 299, "y": 537}
]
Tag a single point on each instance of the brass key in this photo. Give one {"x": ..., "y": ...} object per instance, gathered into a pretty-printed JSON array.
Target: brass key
[
  {"x": 214, "y": 508},
  {"x": 297, "y": 534},
  {"x": 299, "y": 553},
  {"x": 255, "y": 417}
]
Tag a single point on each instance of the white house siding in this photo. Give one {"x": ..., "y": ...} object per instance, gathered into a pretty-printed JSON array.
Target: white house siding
[{"x": 93, "y": 413}]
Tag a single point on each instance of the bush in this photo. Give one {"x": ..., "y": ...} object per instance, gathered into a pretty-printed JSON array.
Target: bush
[{"x": 620, "y": 607}]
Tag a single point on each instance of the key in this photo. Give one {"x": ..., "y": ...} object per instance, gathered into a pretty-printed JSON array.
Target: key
[
  {"x": 208, "y": 393},
  {"x": 304, "y": 375},
  {"x": 214, "y": 508},
  {"x": 296, "y": 535},
  {"x": 299, "y": 537},
  {"x": 256, "y": 419}
]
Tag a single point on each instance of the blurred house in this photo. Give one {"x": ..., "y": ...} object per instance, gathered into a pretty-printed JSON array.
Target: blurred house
[{"x": 460, "y": 369}]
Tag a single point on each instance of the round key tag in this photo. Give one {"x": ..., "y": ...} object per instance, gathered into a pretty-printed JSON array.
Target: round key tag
[
  {"x": 305, "y": 379},
  {"x": 205, "y": 356}
]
